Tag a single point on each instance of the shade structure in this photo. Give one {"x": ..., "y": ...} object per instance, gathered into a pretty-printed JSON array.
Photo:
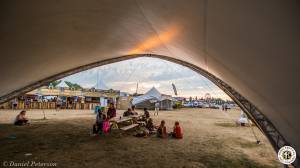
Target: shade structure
[
  {"x": 152, "y": 95},
  {"x": 251, "y": 45}
]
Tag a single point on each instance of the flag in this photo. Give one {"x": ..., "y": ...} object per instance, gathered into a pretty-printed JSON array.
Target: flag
[{"x": 174, "y": 88}]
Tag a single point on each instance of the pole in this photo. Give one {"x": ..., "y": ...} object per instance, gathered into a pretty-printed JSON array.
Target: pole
[{"x": 137, "y": 86}]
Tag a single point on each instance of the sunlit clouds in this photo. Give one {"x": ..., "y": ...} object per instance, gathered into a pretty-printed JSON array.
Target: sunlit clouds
[{"x": 148, "y": 73}]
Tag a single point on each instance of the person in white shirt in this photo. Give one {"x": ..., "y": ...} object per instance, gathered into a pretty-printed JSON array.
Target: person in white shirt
[{"x": 156, "y": 108}]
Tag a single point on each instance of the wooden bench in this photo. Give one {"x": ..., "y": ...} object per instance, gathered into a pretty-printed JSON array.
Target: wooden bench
[
  {"x": 124, "y": 119},
  {"x": 115, "y": 122},
  {"x": 129, "y": 127}
]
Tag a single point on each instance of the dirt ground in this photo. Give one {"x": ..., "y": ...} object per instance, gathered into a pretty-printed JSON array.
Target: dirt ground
[{"x": 211, "y": 139}]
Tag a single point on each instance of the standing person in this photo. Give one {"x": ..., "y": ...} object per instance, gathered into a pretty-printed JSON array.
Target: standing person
[
  {"x": 111, "y": 112},
  {"x": 27, "y": 103},
  {"x": 146, "y": 113},
  {"x": 162, "y": 130},
  {"x": 225, "y": 106},
  {"x": 177, "y": 132},
  {"x": 58, "y": 103},
  {"x": 82, "y": 102},
  {"x": 15, "y": 104},
  {"x": 21, "y": 118},
  {"x": 156, "y": 108}
]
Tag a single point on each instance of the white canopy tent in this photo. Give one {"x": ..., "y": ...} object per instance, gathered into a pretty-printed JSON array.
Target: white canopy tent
[
  {"x": 62, "y": 84},
  {"x": 152, "y": 95}
]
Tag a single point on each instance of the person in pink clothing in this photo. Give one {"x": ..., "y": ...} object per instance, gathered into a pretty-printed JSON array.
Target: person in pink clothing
[{"x": 106, "y": 125}]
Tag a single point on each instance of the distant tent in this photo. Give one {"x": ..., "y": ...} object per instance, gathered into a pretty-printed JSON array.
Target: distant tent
[
  {"x": 153, "y": 94},
  {"x": 62, "y": 84},
  {"x": 149, "y": 99}
]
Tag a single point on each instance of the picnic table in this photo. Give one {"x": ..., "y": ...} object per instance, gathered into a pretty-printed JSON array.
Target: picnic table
[
  {"x": 132, "y": 119},
  {"x": 136, "y": 116},
  {"x": 116, "y": 122}
]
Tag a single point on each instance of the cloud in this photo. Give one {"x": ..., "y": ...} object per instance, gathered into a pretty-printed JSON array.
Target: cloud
[{"x": 148, "y": 72}]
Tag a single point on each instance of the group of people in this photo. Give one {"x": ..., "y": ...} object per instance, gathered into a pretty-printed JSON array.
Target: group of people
[
  {"x": 224, "y": 107},
  {"x": 162, "y": 131},
  {"x": 130, "y": 111},
  {"x": 102, "y": 124}
]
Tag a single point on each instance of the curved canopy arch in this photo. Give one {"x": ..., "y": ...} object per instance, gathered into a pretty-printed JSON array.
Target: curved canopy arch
[{"x": 252, "y": 46}]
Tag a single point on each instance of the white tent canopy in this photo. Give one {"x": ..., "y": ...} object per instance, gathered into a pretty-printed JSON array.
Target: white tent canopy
[
  {"x": 62, "y": 84},
  {"x": 101, "y": 85},
  {"x": 153, "y": 94}
]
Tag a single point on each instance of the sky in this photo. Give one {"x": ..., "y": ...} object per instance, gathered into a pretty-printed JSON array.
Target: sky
[{"x": 148, "y": 73}]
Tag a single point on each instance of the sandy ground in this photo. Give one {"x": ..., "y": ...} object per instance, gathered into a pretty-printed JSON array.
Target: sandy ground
[{"x": 210, "y": 140}]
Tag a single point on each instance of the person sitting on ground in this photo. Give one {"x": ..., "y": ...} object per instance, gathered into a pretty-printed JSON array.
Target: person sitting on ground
[
  {"x": 21, "y": 118},
  {"x": 146, "y": 113},
  {"x": 243, "y": 120},
  {"x": 111, "y": 112},
  {"x": 162, "y": 130},
  {"x": 177, "y": 132},
  {"x": 150, "y": 126},
  {"x": 127, "y": 113},
  {"x": 97, "y": 127}
]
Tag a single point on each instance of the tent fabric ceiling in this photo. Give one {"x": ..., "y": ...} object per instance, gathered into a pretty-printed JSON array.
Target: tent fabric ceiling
[{"x": 251, "y": 45}]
